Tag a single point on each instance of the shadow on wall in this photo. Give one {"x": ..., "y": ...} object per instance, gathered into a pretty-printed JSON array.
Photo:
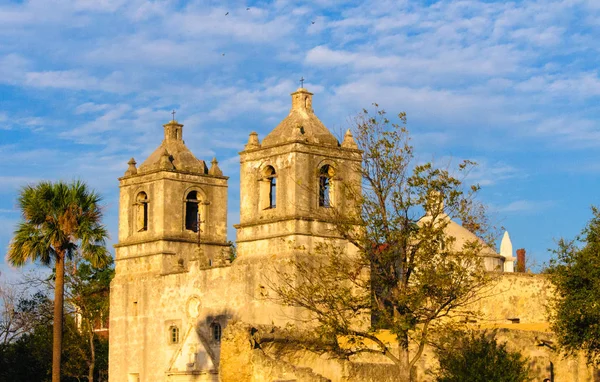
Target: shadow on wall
[{"x": 198, "y": 346}]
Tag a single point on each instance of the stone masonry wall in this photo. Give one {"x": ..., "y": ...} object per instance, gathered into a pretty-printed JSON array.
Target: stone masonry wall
[
  {"x": 244, "y": 359},
  {"x": 523, "y": 296}
]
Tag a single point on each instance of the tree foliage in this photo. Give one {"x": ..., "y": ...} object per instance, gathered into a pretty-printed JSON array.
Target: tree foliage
[
  {"x": 575, "y": 308},
  {"x": 477, "y": 357},
  {"x": 29, "y": 357},
  {"x": 87, "y": 299},
  {"x": 60, "y": 221},
  {"x": 20, "y": 313},
  {"x": 26, "y": 352},
  {"x": 407, "y": 275}
]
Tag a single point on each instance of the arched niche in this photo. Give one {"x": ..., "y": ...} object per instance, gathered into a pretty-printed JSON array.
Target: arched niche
[
  {"x": 195, "y": 210},
  {"x": 268, "y": 188},
  {"x": 141, "y": 211},
  {"x": 326, "y": 193}
]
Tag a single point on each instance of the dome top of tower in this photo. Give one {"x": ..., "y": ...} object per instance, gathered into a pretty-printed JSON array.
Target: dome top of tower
[
  {"x": 301, "y": 124},
  {"x": 174, "y": 150}
]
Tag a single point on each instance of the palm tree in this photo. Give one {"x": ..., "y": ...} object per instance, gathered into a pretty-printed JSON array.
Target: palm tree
[{"x": 60, "y": 221}]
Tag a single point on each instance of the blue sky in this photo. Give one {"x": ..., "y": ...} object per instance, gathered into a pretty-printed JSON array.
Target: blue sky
[{"x": 87, "y": 84}]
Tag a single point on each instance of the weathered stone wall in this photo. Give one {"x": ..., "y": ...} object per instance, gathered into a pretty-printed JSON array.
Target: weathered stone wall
[
  {"x": 538, "y": 348},
  {"x": 542, "y": 358},
  {"x": 145, "y": 303},
  {"x": 145, "y": 306},
  {"x": 522, "y": 296},
  {"x": 525, "y": 297},
  {"x": 516, "y": 295},
  {"x": 244, "y": 359}
]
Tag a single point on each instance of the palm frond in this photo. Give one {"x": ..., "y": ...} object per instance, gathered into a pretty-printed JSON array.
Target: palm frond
[
  {"x": 29, "y": 244},
  {"x": 58, "y": 219}
]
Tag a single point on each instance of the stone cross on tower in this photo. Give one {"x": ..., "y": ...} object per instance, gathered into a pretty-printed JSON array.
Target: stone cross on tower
[
  {"x": 173, "y": 113},
  {"x": 302, "y": 82}
]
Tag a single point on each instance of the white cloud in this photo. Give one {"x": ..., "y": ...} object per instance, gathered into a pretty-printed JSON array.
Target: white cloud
[
  {"x": 547, "y": 36},
  {"x": 33, "y": 123},
  {"x": 570, "y": 132},
  {"x": 4, "y": 125},
  {"x": 160, "y": 52},
  {"x": 16, "y": 154},
  {"x": 72, "y": 79},
  {"x": 131, "y": 125},
  {"x": 578, "y": 85},
  {"x": 90, "y": 108},
  {"x": 99, "y": 5},
  {"x": 523, "y": 206},
  {"x": 487, "y": 174},
  {"x": 12, "y": 67},
  {"x": 249, "y": 27}
]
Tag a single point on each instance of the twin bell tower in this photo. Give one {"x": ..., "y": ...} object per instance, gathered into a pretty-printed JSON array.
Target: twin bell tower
[{"x": 176, "y": 283}]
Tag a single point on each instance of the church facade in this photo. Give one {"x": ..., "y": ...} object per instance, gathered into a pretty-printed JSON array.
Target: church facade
[{"x": 176, "y": 287}]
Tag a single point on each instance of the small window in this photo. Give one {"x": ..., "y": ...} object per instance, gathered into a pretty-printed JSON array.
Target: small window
[
  {"x": 272, "y": 192},
  {"x": 325, "y": 175},
  {"x": 142, "y": 211},
  {"x": 268, "y": 189},
  {"x": 192, "y": 218},
  {"x": 174, "y": 334},
  {"x": 216, "y": 331}
]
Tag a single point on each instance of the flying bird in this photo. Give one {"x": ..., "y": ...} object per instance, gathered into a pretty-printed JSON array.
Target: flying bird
[
  {"x": 247, "y": 9},
  {"x": 312, "y": 22},
  {"x": 226, "y": 13}
]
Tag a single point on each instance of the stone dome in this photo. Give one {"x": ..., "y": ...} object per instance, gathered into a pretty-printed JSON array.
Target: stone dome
[
  {"x": 173, "y": 154},
  {"x": 301, "y": 124},
  {"x": 492, "y": 260}
]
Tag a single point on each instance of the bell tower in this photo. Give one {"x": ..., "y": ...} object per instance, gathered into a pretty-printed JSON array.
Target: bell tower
[
  {"x": 172, "y": 208},
  {"x": 292, "y": 182},
  {"x": 172, "y": 237}
]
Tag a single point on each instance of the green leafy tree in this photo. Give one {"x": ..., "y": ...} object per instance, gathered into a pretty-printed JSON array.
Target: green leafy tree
[
  {"x": 575, "y": 308},
  {"x": 408, "y": 275},
  {"x": 28, "y": 356},
  {"x": 26, "y": 326},
  {"x": 78, "y": 365},
  {"x": 87, "y": 296},
  {"x": 477, "y": 357},
  {"x": 60, "y": 221}
]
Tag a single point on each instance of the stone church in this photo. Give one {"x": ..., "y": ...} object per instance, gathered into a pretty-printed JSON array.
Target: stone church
[{"x": 176, "y": 286}]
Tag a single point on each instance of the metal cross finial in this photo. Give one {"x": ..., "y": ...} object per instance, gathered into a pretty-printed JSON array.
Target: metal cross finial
[
  {"x": 302, "y": 82},
  {"x": 173, "y": 112}
]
